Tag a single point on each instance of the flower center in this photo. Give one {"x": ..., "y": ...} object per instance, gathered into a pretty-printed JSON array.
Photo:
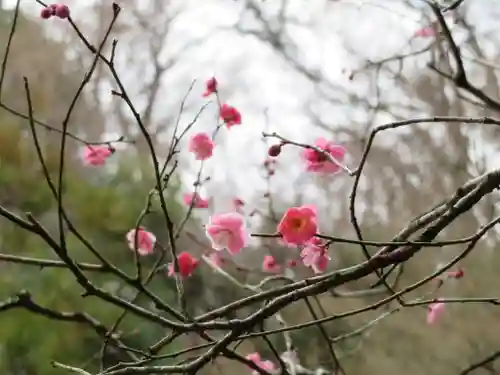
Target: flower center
[
  {"x": 320, "y": 157},
  {"x": 297, "y": 223}
]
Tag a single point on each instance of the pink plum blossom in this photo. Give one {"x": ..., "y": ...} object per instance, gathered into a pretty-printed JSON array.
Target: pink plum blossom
[
  {"x": 227, "y": 231},
  {"x": 211, "y": 86},
  {"x": 201, "y": 145},
  {"x": 315, "y": 256},
  {"x": 299, "y": 224},
  {"x": 145, "y": 241},
  {"x": 187, "y": 265},
  {"x": 319, "y": 162},
  {"x": 230, "y": 115},
  {"x": 97, "y": 155}
]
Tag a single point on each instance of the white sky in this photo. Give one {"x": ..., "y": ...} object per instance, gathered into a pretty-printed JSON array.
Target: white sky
[{"x": 253, "y": 79}]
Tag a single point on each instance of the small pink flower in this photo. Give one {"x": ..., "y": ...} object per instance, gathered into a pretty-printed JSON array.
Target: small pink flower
[
  {"x": 315, "y": 255},
  {"x": 97, "y": 155},
  {"x": 230, "y": 115},
  {"x": 319, "y": 162},
  {"x": 227, "y": 231},
  {"x": 195, "y": 200},
  {"x": 145, "y": 241},
  {"x": 264, "y": 365},
  {"x": 187, "y": 265},
  {"x": 299, "y": 224},
  {"x": 210, "y": 87},
  {"x": 201, "y": 145},
  {"x": 269, "y": 264},
  {"x": 435, "y": 310}
]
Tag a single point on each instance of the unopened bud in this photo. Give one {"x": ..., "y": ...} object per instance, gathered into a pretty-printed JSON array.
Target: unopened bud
[
  {"x": 46, "y": 13},
  {"x": 274, "y": 150},
  {"x": 62, "y": 11}
]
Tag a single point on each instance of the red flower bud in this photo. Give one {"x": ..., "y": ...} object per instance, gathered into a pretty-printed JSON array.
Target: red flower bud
[
  {"x": 46, "y": 13},
  {"x": 274, "y": 150},
  {"x": 62, "y": 11}
]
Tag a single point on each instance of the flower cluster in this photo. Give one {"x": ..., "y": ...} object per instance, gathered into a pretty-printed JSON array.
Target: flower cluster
[{"x": 298, "y": 227}]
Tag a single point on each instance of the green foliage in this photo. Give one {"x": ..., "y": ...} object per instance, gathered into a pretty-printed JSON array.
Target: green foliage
[{"x": 103, "y": 209}]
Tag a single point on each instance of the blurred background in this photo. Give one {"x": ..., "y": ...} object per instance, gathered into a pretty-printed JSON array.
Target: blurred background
[{"x": 304, "y": 69}]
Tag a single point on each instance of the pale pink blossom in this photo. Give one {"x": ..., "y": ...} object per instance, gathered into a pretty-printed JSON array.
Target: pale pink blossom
[
  {"x": 97, "y": 155},
  {"x": 201, "y": 145},
  {"x": 315, "y": 256},
  {"x": 434, "y": 311},
  {"x": 319, "y": 162},
  {"x": 145, "y": 241},
  {"x": 195, "y": 200},
  {"x": 299, "y": 224},
  {"x": 266, "y": 365},
  {"x": 269, "y": 264},
  {"x": 187, "y": 264},
  {"x": 227, "y": 231}
]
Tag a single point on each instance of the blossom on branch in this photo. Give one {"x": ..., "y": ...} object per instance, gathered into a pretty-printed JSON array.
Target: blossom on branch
[
  {"x": 230, "y": 115},
  {"x": 187, "y": 265},
  {"x": 145, "y": 241},
  {"x": 210, "y": 87},
  {"x": 97, "y": 155},
  {"x": 201, "y": 145},
  {"x": 298, "y": 225},
  {"x": 227, "y": 231},
  {"x": 320, "y": 162},
  {"x": 315, "y": 255}
]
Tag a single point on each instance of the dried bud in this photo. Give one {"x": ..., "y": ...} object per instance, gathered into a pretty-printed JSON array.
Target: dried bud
[{"x": 274, "y": 150}]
